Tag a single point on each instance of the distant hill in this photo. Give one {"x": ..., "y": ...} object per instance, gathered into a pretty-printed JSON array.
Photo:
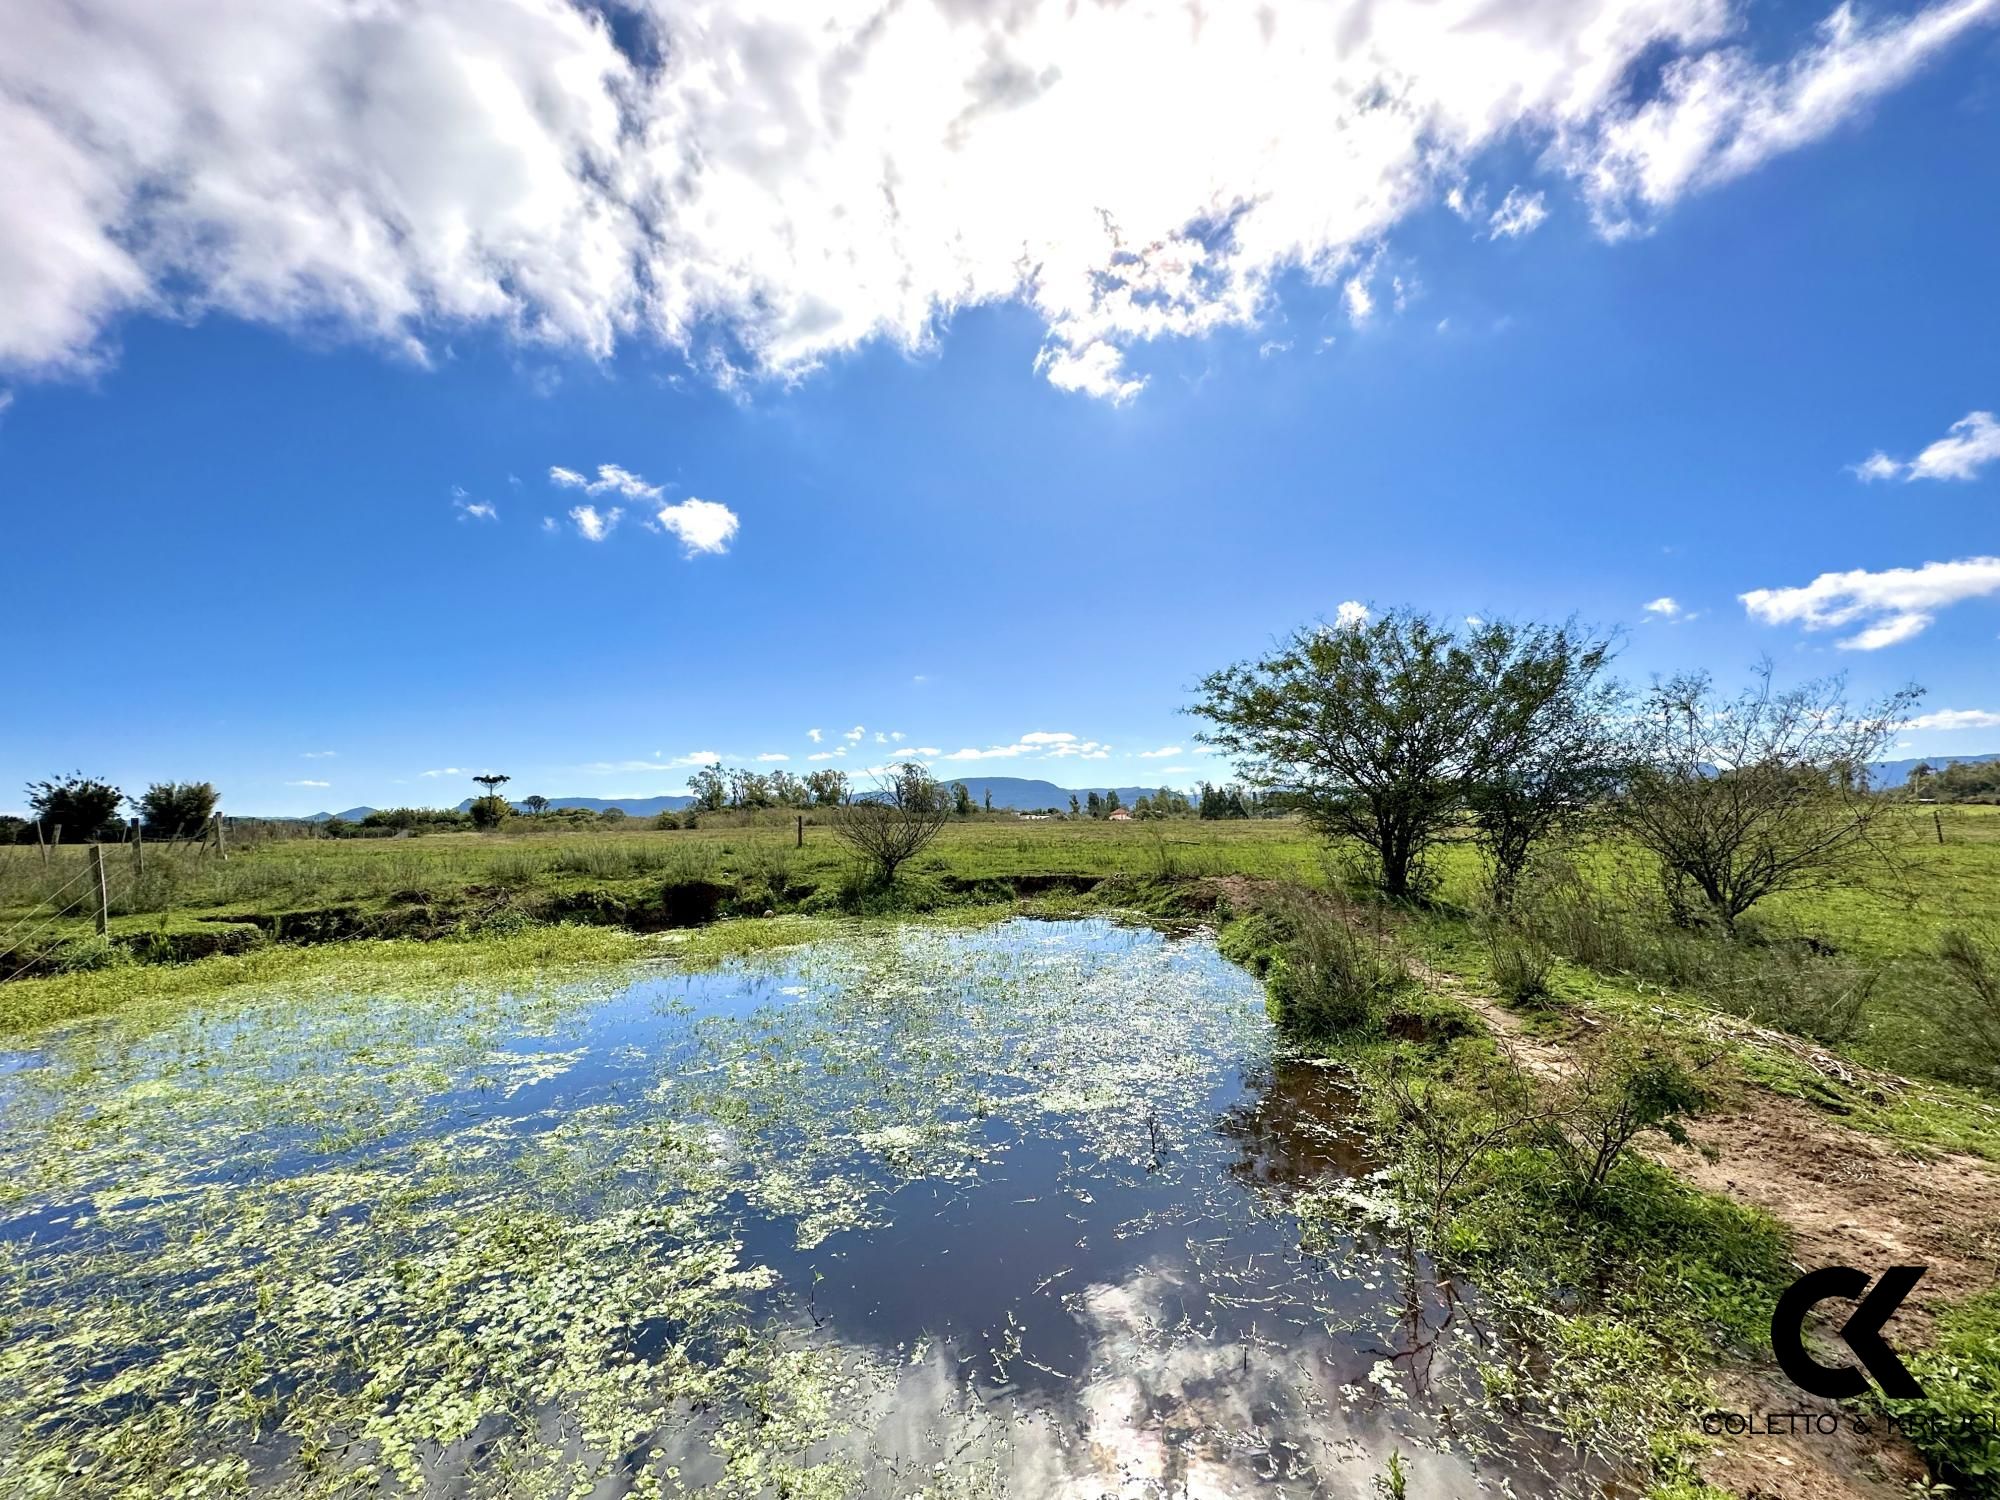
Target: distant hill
[
  {"x": 352, "y": 815},
  {"x": 1885, "y": 774}
]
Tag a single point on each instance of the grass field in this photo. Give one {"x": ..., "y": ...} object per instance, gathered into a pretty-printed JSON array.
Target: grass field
[{"x": 1883, "y": 924}]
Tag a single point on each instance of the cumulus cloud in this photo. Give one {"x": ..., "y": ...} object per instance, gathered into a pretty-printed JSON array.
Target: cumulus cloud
[
  {"x": 1892, "y": 605},
  {"x": 773, "y": 755},
  {"x": 593, "y": 524},
  {"x": 1160, "y": 754},
  {"x": 1666, "y": 607},
  {"x": 1971, "y": 443},
  {"x": 853, "y": 736},
  {"x": 1351, "y": 615},
  {"x": 813, "y": 735},
  {"x": 702, "y": 525},
  {"x": 765, "y": 186},
  {"x": 1956, "y": 718}
]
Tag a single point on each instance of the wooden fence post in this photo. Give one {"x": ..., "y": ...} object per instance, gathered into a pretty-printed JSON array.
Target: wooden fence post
[
  {"x": 41, "y": 843},
  {"x": 138, "y": 849},
  {"x": 97, "y": 883},
  {"x": 221, "y": 848},
  {"x": 1937, "y": 819},
  {"x": 802, "y": 832}
]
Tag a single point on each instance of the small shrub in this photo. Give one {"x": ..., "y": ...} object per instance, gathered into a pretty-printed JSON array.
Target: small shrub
[
  {"x": 490, "y": 811},
  {"x": 1624, "y": 1086}
]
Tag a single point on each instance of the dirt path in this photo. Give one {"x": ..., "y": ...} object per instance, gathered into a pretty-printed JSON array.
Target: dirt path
[{"x": 1849, "y": 1198}]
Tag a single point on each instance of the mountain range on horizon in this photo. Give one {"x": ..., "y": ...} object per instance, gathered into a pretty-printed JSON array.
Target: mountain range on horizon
[{"x": 1028, "y": 794}]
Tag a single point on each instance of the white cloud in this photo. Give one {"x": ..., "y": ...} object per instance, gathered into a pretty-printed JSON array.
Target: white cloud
[
  {"x": 1520, "y": 213},
  {"x": 549, "y": 524},
  {"x": 766, "y": 186},
  {"x": 474, "y": 510},
  {"x": 1273, "y": 346},
  {"x": 1666, "y": 607},
  {"x": 826, "y": 755},
  {"x": 1971, "y": 443},
  {"x": 1161, "y": 753},
  {"x": 1892, "y": 605},
  {"x": 611, "y": 480},
  {"x": 447, "y": 771},
  {"x": 1360, "y": 301},
  {"x": 319, "y": 755},
  {"x": 309, "y": 783},
  {"x": 702, "y": 525},
  {"x": 593, "y": 525},
  {"x": 926, "y": 752},
  {"x": 773, "y": 755},
  {"x": 1351, "y": 615},
  {"x": 853, "y": 735},
  {"x": 1956, "y": 718},
  {"x": 1047, "y": 737},
  {"x": 1719, "y": 113},
  {"x": 813, "y": 735}
]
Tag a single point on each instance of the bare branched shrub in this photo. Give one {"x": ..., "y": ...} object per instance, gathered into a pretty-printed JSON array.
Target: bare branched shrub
[
  {"x": 1740, "y": 798},
  {"x": 1443, "y": 1119},
  {"x": 888, "y": 826}
]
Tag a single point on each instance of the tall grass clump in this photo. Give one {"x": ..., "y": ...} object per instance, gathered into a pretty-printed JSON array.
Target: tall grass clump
[{"x": 1331, "y": 968}]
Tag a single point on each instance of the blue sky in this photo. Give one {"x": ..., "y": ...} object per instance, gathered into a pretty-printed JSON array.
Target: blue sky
[{"x": 281, "y": 495}]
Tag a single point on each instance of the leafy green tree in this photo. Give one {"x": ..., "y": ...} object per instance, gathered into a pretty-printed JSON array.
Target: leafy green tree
[
  {"x": 1548, "y": 752},
  {"x": 490, "y": 811},
  {"x": 15, "y": 830},
  {"x": 1095, "y": 804},
  {"x": 81, "y": 807},
  {"x": 536, "y": 804},
  {"x": 1074, "y": 810},
  {"x": 1373, "y": 727},
  {"x": 961, "y": 800},
  {"x": 172, "y": 809},
  {"x": 493, "y": 781},
  {"x": 710, "y": 791},
  {"x": 828, "y": 787}
]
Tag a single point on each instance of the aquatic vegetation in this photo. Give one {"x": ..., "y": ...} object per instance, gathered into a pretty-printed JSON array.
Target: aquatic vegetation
[{"x": 967, "y": 1210}]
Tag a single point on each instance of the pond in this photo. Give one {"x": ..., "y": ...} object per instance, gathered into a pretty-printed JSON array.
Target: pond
[{"x": 911, "y": 1210}]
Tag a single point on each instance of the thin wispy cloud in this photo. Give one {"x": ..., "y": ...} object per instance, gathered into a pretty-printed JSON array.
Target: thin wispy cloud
[
  {"x": 470, "y": 509},
  {"x": 319, "y": 755},
  {"x": 320, "y": 784},
  {"x": 1892, "y": 605},
  {"x": 1669, "y": 609},
  {"x": 1520, "y": 213},
  {"x": 1956, "y": 718},
  {"x": 1161, "y": 753},
  {"x": 584, "y": 187},
  {"x": 1972, "y": 443}
]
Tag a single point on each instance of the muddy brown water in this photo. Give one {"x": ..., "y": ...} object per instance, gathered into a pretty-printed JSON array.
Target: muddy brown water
[{"x": 920, "y": 1210}]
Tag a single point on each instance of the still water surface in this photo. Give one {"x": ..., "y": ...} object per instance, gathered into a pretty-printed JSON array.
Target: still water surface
[{"x": 909, "y": 1211}]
